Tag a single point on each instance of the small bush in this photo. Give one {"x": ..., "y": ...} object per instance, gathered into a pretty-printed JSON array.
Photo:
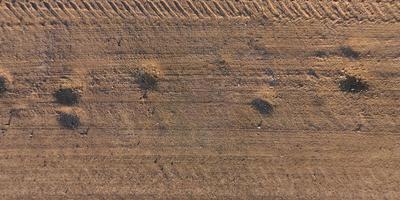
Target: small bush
[
  {"x": 3, "y": 85},
  {"x": 269, "y": 72},
  {"x": 262, "y": 106},
  {"x": 349, "y": 52},
  {"x": 273, "y": 81},
  {"x": 311, "y": 72},
  {"x": 353, "y": 85},
  {"x": 67, "y": 96},
  {"x": 146, "y": 80},
  {"x": 70, "y": 121},
  {"x": 321, "y": 54}
]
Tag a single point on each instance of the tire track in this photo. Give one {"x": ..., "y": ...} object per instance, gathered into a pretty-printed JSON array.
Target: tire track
[
  {"x": 181, "y": 9},
  {"x": 90, "y": 9},
  {"x": 194, "y": 9},
  {"x": 141, "y": 8},
  {"x": 129, "y": 9},
  {"x": 301, "y": 10},
  {"x": 14, "y": 12},
  {"x": 272, "y": 10},
  {"x": 286, "y": 10},
  {"x": 169, "y": 9},
  {"x": 116, "y": 9},
  {"x": 62, "y": 7}
]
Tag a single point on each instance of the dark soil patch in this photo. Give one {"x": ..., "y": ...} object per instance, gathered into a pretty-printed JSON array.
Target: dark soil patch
[
  {"x": 353, "y": 84},
  {"x": 262, "y": 106},
  {"x": 311, "y": 72},
  {"x": 3, "y": 85},
  {"x": 70, "y": 121},
  {"x": 67, "y": 96},
  {"x": 145, "y": 80},
  {"x": 269, "y": 72},
  {"x": 321, "y": 54},
  {"x": 349, "y": 52}
]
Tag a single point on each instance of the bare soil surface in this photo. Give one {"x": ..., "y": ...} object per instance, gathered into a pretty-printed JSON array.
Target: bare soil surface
[{"x": 199, "y": 99}]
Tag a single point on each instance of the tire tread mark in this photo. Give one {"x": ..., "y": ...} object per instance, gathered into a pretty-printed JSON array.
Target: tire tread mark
[
  {"x": 395, "y": 16},
  {"x": 162, "y": 9},
  {"x": 155, "y": 9},
  {"x": 327, "y": 12},
  {"x": 13, "y": 11},
  {"x": 314, "y": 11},
  {"x": 339, "y": 11},
  {"x": 101, "y": 7},
  {"x": 116, "y": 9},
  {"x": 369, "y": 13},
  {"x": 177, "y": 9},
  {"x": 286, "y": 10},
  {"x": 250, "y": 9},
  {"x": 77, "y": 9},
  {"x": 257, "y": 7},
  {"x": 194, "y": 9},
  {"x": 18, "y": 9},
  {"x": 397, "y": 4},
  {"x": 52, "y": 11},
  {"x": 232, "y": 7},
  {"x": 128, "y": 8},
  {"x": 272, "y": 9},
  {"x": 295, "y": 12},
  {"x": 372, "y": 11},
  {"x": 181, "y": 9},
  {"x": 378, "y": 11},
  {"x": 301, "y": 10},
  {"x": 142, "y": 8},
  {"x": 122, "y": 9},
  {"x": 352, "y": 12},
  {"x": 220, "y": 10},
  {"x": 362, "y": 14},
  {"x": 227, "y": 9},
  {"x": 38, "y": 11},
  {"x": 168, "y": 8},
  {"x": 91, "y": 10},
  {"x": 25, "y": 9},
  {"x": 244, "y": 10},
  {"x": 306, "y": 9},
  {"x": 4, "y": 18},
  {"x": 63, "y": 9},
  {"x": 208, "y": 10}
]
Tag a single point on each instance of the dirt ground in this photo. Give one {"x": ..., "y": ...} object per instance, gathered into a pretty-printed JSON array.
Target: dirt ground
[{"x": 199, "y": 99}]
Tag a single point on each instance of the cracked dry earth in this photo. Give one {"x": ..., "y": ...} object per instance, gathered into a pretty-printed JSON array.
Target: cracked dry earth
[{"x": 199, "y": 99}]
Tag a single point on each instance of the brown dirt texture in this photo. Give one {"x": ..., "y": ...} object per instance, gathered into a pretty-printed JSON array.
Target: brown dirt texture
[{"x": 199, "y": 99}]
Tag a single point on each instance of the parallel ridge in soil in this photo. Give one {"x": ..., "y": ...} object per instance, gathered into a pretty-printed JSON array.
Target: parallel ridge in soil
[{"x": 62, "y": 12}]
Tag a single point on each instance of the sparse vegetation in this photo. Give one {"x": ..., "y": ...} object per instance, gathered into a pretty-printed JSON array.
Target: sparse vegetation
[
  {"x": 272, "y": 78},
  {"x": 262, "y": 106},
  {"x": 353, "y": 84},
  {"x": 67, "y": 96},
  {"x": 321, "y": 54},
  {"x": 70, "y": 121},
  {"x": 349, "y": 52},
  {"x": 3, "y": 85},
  {"x": 145, "y": 80},
  {"x": 311, "y": 72},
  {"x": 269, "y": 72}
]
